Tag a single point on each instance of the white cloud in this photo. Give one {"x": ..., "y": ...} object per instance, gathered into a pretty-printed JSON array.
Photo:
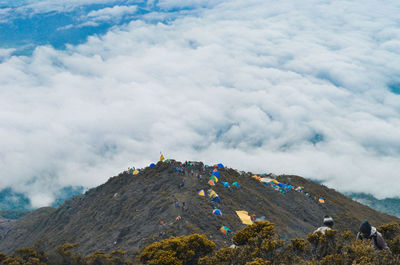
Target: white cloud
[
  {"x": 67, "y": 27},
  {"x": 114, "y": 13},
  {"x": 88, "y": 24},
  {"x": 31, "y": 7},
  {"x": 258, "y": 85},
  {"x": 178, "y": 4},
  {"x": 4, "y": 14},
  {"x": 40, "y": 200},
  {"x": 44, "y": 6},
  {"x": 6, "y": 53},
  {"x": 4, "y": 11}
]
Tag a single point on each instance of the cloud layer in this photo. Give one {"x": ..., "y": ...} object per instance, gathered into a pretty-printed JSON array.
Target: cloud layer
[{"x": 258, "y": 85}]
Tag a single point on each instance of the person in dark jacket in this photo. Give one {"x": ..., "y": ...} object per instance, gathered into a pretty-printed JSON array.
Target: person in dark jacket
[
  {"x": 327, "y": 224},
  {"x": 369, "y": 233}
]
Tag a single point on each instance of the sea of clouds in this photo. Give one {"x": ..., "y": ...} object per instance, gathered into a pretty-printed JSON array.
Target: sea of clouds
[{"x": 289, "y": 87}]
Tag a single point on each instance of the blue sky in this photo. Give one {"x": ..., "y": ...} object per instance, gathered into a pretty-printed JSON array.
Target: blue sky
[
  {"x": 90, "y": 87},
  {"x": 27, "y": 24}
]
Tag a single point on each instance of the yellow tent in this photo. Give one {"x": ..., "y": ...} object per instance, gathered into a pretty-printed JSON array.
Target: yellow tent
[
  {"x": 244, "y": 217},
  {"x": 135, "y": 172},
  {"x": 212, "y": 194},
  {"x": 201, "y": 193},
  {"x": 275, "y": 181},
  {"x": 161, "y": 158},
  {"x": 257, "y": 177}
]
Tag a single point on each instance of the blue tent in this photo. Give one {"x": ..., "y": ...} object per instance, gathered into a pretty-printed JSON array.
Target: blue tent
[
  {"x": 216, "y": 173},
  {"x": 217, "y": 212},
  {"x": 220, "y": 165},
  {"x": 226, "y": 184},
  {"x": 152, "y": 165},
  {"x": 216, "y": 199},
  {"x": 236, "y": 184}
]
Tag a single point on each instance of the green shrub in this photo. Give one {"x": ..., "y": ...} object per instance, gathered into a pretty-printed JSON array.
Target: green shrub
[
  {"x": 178, "y": 250},
  {"x": 389, "y": 231}
]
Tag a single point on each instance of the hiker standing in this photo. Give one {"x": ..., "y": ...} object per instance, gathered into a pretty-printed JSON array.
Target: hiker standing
[
  {"x": 369, "y": 233},
  {"x": 253, "y": 217},
  {"x": 183, "y": 182},
  {"x": 327, "y": 224}
]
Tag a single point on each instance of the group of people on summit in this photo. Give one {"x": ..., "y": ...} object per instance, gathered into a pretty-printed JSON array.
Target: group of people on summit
[{"x": 367, "y": 233}]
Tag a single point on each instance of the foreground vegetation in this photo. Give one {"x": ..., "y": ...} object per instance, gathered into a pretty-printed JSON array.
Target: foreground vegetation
[{"x": 256, "y": 244}]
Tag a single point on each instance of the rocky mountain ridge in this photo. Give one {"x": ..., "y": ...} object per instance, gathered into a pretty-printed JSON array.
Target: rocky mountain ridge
[{"x": 131, "y": 211}]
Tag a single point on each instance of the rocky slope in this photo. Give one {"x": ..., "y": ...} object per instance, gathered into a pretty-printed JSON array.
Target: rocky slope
[
  {"x": 5, "y": 226},
  {"x": 131, "y": 211}
]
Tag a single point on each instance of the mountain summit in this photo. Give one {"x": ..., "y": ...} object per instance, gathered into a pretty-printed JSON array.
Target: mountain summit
[{"x": 136, "y": 208}]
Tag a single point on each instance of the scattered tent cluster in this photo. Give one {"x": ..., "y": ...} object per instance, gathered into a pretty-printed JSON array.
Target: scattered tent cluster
[
  {"x": 135, "y": 171},
  {"x": 215, "y": 176},
  {"x": 131, "y": 170},
  {"x": 269, "y": 180},
  {"x": 234, "y": 184},
  {"x": 217, "y": 165},
  {"x": 273, "y": 183}
]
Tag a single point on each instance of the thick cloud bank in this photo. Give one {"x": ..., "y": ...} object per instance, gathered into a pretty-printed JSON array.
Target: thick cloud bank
[{"x": 265, "y": 86}]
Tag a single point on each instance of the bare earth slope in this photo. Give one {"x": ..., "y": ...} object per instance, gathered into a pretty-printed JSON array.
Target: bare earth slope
[{"x": 125, "y": 213}]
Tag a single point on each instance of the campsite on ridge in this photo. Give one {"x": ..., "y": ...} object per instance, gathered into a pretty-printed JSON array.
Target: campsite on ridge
[{"x": 170, "y": 198}]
